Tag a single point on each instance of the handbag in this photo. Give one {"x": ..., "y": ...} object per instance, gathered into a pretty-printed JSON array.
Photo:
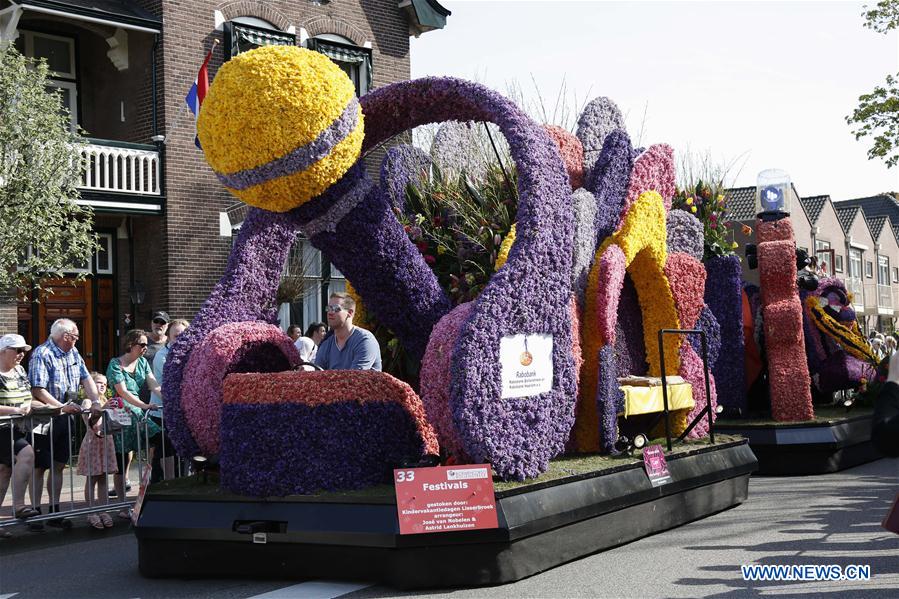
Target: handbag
[{"x": 115, "y": 416}]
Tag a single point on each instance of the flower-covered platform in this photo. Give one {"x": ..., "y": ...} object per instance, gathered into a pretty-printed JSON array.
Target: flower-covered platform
[
  {"x": 835, "y": 440},
  {"x": 581, "y": 505}
]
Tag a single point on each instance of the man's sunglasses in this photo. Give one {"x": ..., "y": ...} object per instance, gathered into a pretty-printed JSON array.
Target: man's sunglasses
[
  {"x": 159, "y": 321},
  {"x": 141, "y": 344},
  {"x": 334, "y": 308},
  {"x": 19, "y": 350}
]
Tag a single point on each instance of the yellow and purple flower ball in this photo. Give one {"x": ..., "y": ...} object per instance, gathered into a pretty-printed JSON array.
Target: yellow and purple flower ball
[{"x": 280, "y": 125}]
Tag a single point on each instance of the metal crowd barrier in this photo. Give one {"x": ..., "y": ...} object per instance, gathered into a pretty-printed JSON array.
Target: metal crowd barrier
[{"x": 91, "y": 502}]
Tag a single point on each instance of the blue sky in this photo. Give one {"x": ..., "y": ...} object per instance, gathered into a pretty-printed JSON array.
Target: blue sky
[{"x": 758, "y": 84}]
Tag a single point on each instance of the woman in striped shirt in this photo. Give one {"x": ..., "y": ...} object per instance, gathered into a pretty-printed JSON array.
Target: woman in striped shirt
[{"x": 15, "y": 400}]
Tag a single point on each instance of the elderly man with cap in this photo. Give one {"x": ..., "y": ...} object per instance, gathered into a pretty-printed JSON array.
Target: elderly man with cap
[
  {"x": 15, "y": 400},
  {"x": 56, "y": 371}
]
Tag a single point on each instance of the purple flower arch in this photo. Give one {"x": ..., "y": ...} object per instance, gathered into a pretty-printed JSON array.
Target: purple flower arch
[{"x": 529, "y": 295}]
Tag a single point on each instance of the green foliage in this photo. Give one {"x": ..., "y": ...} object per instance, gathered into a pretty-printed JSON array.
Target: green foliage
[
  {"x": 877, "y": 115},
  {"x": 883, "y": 17},
  {"x": 458, "y": 226},
  {"x": 706, "y": 202},
  {"x": 702, "y": 183},
  {"x": 42, "y": 229}
]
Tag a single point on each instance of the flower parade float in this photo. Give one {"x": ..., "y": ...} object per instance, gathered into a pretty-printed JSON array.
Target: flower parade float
[
  {"x": 808, "y": 333},
  {"x": 572, "y": 285}
]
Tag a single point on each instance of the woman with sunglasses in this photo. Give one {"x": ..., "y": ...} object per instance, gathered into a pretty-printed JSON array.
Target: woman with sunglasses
[
  {"x": 127, "y": 374},
  {"x": 15, "y": 400}
]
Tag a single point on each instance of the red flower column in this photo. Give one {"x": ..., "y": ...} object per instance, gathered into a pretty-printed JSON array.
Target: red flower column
[{"x": 791, "y": 397}]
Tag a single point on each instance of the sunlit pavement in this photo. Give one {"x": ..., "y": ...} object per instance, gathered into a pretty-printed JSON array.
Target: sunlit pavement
[{"x": 829, "y": 519}]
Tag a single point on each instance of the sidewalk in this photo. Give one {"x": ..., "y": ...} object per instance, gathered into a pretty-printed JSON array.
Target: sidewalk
[{"x": 71, "y": 498}]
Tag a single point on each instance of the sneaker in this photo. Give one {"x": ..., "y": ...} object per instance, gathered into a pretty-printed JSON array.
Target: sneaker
[
  {"x": 127, "y": 486},
  {"x": 113, "y": 493}
]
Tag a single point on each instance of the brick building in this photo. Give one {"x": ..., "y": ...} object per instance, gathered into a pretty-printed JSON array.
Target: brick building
[{"x": 164, "y": 222}]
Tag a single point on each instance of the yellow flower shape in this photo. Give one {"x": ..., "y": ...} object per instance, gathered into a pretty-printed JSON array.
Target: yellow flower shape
[
  {"x": 693, "y": 209},
  {"x": 441, "y": 250},
  {"x": 359, "y": 315},
  {"x": 689, "y": 201},
  {"x": 504, "y": 248},
  {"x": 271, "y": 102},
  {"x": 643, "y": 241}
]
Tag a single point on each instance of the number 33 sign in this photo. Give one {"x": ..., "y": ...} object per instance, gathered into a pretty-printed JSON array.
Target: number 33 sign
[{"x": 445, "y": 498}]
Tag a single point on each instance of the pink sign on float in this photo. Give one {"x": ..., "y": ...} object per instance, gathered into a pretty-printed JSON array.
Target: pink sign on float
[
  {"x": 655, "y": 465},
  {"x": 445, "y": 498}
]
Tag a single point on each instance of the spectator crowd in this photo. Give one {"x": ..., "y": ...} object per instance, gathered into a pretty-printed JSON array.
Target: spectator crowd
[{"x": 121, "y": 410}]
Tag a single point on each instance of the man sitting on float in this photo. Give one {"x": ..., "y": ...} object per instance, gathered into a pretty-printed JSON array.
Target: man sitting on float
[{"x": 349, "y": 347}]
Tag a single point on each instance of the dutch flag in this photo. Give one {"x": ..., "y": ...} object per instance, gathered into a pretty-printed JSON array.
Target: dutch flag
[{"x": 197, "y": 92}]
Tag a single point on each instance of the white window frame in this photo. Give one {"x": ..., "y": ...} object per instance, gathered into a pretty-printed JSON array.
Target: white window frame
[
  {"x": 29, "y": 36},
  {"x": 63, "y": 80},
  {"x": 869, "y": 269},
  {"x": 883, "y": 276},
  {"x": 73, "y": 99},
  {"x": 105, "y": 271},
  {"x": 855, "y": 258},
  {"x": 364, "y": 71}
]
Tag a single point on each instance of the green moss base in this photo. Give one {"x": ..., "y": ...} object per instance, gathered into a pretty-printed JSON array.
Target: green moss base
[{"x": 573, "y": 467}]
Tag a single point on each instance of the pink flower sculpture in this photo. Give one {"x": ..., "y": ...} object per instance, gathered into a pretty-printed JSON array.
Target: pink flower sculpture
[
  {"x": 235, "y": 347},
  {"x": 692, "y": 371},
  {"x": 653, "y": 171},
  {"x": 788, "y": 376},
  {"x": 436, "y": 375},
  {"x": 572, "y": 152},
  {"x": 611, "y": 273},
  {"x": 686, "y": 275}
]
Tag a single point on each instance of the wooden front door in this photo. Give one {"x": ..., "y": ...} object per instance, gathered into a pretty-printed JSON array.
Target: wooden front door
[
  {"x": 73, "y": 300},
  {"x": 89, "y": 303}
]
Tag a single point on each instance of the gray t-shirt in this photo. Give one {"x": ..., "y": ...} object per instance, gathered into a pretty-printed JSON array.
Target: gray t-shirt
[{"x": 361, "y": 352}]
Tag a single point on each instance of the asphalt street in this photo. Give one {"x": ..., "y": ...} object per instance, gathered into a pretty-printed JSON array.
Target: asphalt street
[{"x": 830, "y": 519}]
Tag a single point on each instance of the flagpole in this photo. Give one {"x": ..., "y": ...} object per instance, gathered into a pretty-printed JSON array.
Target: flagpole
[{"x": 183, "y": 108}]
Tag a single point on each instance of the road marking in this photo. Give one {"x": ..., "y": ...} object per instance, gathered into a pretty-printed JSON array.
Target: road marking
[
  {"x": 314, "y": 589},
  {"x": 8, "y": 596}
]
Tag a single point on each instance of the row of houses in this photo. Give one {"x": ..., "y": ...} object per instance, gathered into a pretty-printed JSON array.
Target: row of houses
[
  {"x": 164, "y": 222},
  {"x": 855, "y": 240}
]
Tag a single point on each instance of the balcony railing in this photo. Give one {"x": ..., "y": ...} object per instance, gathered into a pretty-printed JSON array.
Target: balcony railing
[
  {"x": 120, "y": 167},
  {"x": 855, "y": 287},
  {"x": 884, "y": 297}
]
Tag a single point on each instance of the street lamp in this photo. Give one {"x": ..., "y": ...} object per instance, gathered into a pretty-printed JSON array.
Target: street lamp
[{"x": 137, "y": 293}]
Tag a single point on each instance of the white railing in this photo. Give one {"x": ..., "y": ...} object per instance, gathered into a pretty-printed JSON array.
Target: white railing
[
  {"x": 884, "y": 297},
  {"x": 133, "y": 169},
  {"x": 855, "y": 287}
]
